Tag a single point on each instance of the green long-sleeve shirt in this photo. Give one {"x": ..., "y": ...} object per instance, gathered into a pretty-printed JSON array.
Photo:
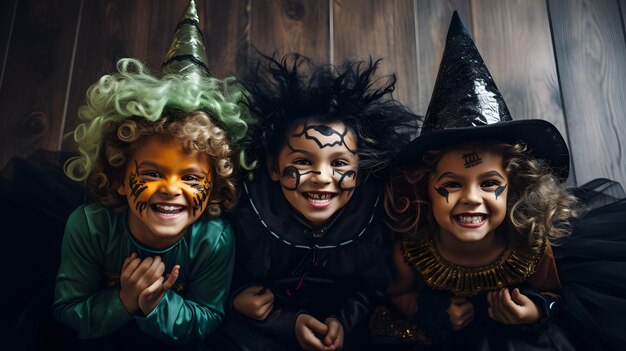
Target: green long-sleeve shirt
[{"x": 95, "y": 244}]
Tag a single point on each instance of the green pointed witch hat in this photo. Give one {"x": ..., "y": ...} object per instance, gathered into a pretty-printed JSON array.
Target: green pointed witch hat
[{"x": 187, "y": 54}]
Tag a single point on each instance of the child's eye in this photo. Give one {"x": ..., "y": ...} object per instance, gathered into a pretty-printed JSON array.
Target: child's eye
[
  {"x": 190, "y": 178},
  {"x": 451, "y": 185},
  {"x": 302, "y": 162},
  {"x": 489, "y": 184},
  {"x": 339, "y": 163},
  {"x": 151, "y": 174}
]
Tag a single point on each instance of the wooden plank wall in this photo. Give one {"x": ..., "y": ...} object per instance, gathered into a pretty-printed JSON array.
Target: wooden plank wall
[{"x": 560, "y": 60}]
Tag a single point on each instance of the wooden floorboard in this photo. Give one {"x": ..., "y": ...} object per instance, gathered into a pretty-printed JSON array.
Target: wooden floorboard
[
  {"x": 380, "y": 29},
  {"x": 591, "y": 51},
  {"x": 36, "y": 77},
  {"x": 291, "y": 26}
]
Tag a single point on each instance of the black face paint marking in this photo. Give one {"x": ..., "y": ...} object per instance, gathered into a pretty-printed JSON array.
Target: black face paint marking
[
  {"x": 500, "y": 190},
  {"x": 140, "y": 206},
  {"x": 348, "y": 176},
  {"x": 201, "y": 195},
  {"x": 290, "y": 173},
  {"x": 293, "y": 175},
  {"x": 137, "y": 186},
  {"x": 472, "y": 159},
  {"x": 311, "y": 132},
  {"x": 443, "y": 192}
]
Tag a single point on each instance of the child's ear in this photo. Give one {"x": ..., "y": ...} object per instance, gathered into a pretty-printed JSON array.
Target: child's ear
[
  {"x": 274, "y": 175},
  {"x": 120, "y": 190},
  {"x": 272, "y": 168}
]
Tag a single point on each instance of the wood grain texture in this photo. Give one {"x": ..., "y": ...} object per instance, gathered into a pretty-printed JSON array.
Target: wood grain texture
[
  {"x": 380, "y": 29},
  {"x": 433, "y": 20},
  {"x": 227, "y": 36},
  {"x": 622, "y": 5},
  {"x": 7, "y": 12},
  {"x": 515, "y": 42},
  {"x": 36, "y": 77},
  {"x": 109, "y": 31},
  {"x": 291, "y": 26},
  {"x": 160, "y": 26},
  {"x": 590, "y": 51}
]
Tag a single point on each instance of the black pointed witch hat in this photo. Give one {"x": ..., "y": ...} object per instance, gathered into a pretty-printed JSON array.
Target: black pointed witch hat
[
  {"x": 187, "y": 54},
  {"x": 466, "y": 105}
]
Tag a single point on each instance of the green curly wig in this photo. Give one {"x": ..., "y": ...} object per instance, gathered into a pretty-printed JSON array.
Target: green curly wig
[{"x": 135, "y": 92}]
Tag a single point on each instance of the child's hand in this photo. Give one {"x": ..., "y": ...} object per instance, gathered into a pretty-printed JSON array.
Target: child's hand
[
  {"x": 255, "y": 302},
  {"x": 152, "y": 295},
  {"x": 461, "y": 312},
  {"x": 309, "y": 332},
  {"x": 334, "y": 337},
  {"x": 512, "y": 308},
  {"x": 136, "y": 276}
]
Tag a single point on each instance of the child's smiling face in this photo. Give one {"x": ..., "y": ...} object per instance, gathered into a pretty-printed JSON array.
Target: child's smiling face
[
  {"x": 167, "y": 189},
  {"x": 468, "y": 192},
  {"x": 317, "y": 168}
]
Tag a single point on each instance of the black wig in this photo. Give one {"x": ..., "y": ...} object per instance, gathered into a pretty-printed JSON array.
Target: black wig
[{"x": 289, "y": 91}]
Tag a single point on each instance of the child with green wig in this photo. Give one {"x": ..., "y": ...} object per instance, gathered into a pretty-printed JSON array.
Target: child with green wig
[{"x": 151, "y": 262}]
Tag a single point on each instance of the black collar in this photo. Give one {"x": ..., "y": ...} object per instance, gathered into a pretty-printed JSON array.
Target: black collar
[{"x": 284, "y": 223}]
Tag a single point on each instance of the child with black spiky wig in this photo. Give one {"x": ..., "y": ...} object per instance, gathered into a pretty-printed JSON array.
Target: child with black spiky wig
[{"x": 312, "y": 248}]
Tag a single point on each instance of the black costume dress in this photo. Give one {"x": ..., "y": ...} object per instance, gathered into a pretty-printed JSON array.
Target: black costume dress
[
  {"x": 339, "y": 270},
  {"x": 529, "y": 268}
]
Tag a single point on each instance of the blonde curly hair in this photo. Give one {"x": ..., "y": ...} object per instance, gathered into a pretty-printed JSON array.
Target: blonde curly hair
[
  {"x": 538, "y": 205},
  {"x": 194, "y": 131}
]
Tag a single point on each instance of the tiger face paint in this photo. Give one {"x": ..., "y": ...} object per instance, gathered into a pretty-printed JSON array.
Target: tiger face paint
[{"x": 166, "y": 189}]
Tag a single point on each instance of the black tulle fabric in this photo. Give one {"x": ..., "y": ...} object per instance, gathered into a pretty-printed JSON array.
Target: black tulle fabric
[
  {"x": 592, "y": 268},
  {"x": 37, "y": 199}
]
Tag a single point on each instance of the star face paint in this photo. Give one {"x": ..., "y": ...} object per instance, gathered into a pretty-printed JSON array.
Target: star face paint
[
  {"x": 470, "y": 211},
  {"x": 317, "y": 169},
  {"x": 166, "y": 189}
]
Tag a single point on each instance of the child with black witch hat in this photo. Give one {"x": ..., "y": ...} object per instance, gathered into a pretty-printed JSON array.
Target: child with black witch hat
[{"x": 475, "y": 202}]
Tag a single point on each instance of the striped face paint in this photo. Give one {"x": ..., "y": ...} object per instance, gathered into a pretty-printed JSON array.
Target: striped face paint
[{"x": 166, "y": 189}]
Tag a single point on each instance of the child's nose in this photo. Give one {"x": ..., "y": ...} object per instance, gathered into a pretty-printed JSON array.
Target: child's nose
[
  {"x": 471, "y": 196},
  {"x": 171, "y": 186},
  {"x": 323, "y": 175}
]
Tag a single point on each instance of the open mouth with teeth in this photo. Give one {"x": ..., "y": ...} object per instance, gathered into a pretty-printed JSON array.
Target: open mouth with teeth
[
  {"x": 318, "y": 198},
  {"x": 167, "y": 210},
  {"x": 471, "y": 219}
]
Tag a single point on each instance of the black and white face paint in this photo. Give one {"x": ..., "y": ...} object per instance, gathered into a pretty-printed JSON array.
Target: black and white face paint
[
  {"x": 317, "y": 169},
  {"x": 325, "y": 139}
]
